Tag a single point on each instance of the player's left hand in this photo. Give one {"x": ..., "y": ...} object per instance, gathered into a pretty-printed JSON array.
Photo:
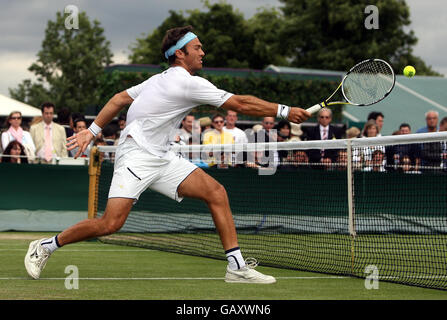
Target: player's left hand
[{"x": 81, "y": 140}]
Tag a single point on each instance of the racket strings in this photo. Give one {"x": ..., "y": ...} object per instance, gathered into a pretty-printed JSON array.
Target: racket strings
[{"x": 368, "y": 82}]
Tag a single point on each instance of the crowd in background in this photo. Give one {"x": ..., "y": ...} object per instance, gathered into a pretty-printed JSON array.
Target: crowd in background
[{"x": 43, "y": 140}]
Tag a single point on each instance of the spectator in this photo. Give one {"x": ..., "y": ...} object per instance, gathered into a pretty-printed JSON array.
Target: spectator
[
  {"x": 430, "y": 152},
  {"x": 431, "y": 119},
  {"x": 121, "y": 123},
  {"x": 49, "y": 137},
  {"x": 266, "y": 134},
  {"x": 218, "y": 136},
  {"x": 406, "y": 165},
  {"x": 205, "y": 124},
  {"x": 323, "y": 131},
  {"x": 395, "y": 153},
  {"x": 297, "y": 159},
  {"x": 377, "y": 162},
  {"x": 185, "y": 131},
  {"x": 342, "y": 159},
  {"x": 443, "y": 127},
  {"x": 296, "y": 132},
  {"x": 65, "y": 120},
  {"x": 79, "y": 125},
  {"x": 378, "y": 118},
  {"x": 239, "y": 136},
  {"x": 352, "y": 133},
  {"x": 109, "y": 134},
  {"x": 195, "y": 157},
  {"x": 363, "y": 157},
  {"x": 15, "y": 132},
  {"x": 14, "y": 153},
  {"x": 283, "y": 131}
]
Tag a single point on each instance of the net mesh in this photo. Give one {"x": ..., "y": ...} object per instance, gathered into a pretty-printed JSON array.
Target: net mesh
[
  {"x": 290, "y": 203},
  {"x": 368, "y": 82}
]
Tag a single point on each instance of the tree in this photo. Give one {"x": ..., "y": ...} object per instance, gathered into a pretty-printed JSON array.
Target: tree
[
  {"x": 228, "y": 39},
  {"x": 68, "y": 65},
  {"x": 328, "y": 34}
]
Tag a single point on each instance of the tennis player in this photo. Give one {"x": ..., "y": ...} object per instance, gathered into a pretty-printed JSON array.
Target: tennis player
[{"x": 143, "y": 159}]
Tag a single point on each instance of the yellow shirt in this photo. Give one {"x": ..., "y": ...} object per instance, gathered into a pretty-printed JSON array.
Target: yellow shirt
[{"x": 216, "y": 137}]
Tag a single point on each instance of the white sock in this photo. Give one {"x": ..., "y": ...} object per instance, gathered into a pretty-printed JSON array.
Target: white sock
[
  {"x": 50, "y": 244},
  {"x": 234, "y": 257}
]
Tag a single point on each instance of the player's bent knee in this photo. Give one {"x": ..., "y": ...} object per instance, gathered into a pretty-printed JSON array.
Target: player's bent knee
[
  {"x": 109, "y": 226},
  {"x": 217, "y": 194}
]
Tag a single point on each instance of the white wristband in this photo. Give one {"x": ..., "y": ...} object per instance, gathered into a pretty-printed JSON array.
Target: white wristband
[
  {"x": 94, "y": 129},
  {"x": 283, "y": 111}
]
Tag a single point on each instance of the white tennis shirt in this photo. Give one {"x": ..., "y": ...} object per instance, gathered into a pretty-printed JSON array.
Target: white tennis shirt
[{"x": 160, "y": 104}]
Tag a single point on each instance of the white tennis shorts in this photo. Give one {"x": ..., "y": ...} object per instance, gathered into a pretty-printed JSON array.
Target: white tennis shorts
[{"x": 137, "y": 170}]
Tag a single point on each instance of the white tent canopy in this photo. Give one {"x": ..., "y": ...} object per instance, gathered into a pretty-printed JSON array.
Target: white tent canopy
[{"x": 8, "y": 105}]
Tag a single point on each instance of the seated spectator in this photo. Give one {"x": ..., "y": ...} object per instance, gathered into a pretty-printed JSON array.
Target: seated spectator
[
  {"x": 394, "y": 153},
  {"x": 121, "y": 124},
  {"x": 443, "y": 127},
  {"x": 296, "y": 132},
  {"x": 297, "y": 160},
  {"x": 65, "y": 120},
  {"x": 14, "y": 153},
  {"x": 342, "y": 160},
  {"x": 362, "y": 157},
  {"x": 431, "y": 120},
  {"x": 283, "y": 134},
  {"x": 352, "y": 133},
  {"x": 195, "y": 157},
  {"x": 406, "y": 165},
  {"x": 377, "y": 162},
  {"x": 218, "y": 136},
  {"x": 322, "y": 158},
  {"x": 79, "y": 125},
  {"x": 15, "y": 132},
  {"x": 378, "y": 118}
]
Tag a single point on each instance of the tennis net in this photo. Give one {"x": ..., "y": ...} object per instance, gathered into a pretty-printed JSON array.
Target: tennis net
[{"x": 370, "y": 204}]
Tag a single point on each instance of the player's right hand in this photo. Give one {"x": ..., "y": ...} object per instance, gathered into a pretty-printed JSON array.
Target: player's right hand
[
  {"x": 80, "y": 140},
  {"x": 298, "y": 115}
]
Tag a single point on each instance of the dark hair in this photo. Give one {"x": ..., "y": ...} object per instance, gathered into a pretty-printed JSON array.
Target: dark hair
[
  {"x": 8, "y": 152},
  {"x": 217, "y": 115},
  {"x": 122, "y": 117},
  {"x": 47, "y": 105},
  {"x": 75, "y": 122},
  {"x": 373, "y": 115},
  {"x": 284, "y": 123},
  {"x": 443, "y": 120},
  {"x": 63, "y": 116},
  {"x": 404, "y": 125},
  {"x": 171, "y": 37}
]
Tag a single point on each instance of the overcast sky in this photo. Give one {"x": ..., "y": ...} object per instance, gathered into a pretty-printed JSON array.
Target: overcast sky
[{"x": 23, "y": 23}]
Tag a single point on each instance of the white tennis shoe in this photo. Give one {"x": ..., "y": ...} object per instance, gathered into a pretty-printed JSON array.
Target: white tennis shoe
[
  {"x": 36, "y": 258},
  {"x": 247, "y": 274}
]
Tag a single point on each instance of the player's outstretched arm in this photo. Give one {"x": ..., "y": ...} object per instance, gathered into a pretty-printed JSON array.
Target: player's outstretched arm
[
  {"x": 111, "y": 109},
  {"x": 253, "y": 106}
]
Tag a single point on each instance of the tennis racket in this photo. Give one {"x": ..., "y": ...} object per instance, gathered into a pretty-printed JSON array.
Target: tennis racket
[{"x": 367, "y": 83}]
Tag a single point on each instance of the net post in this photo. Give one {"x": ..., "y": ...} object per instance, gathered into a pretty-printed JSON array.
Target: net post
[
  {"x": 350, "y": 181},
  {"x": 94, "y": 170}
]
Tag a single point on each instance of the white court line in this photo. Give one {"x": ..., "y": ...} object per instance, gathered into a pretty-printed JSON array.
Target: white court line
[{"x": 169, "y": 278}]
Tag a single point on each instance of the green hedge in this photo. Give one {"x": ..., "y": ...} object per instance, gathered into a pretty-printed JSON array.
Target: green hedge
[{"x": 270, "y": 87}]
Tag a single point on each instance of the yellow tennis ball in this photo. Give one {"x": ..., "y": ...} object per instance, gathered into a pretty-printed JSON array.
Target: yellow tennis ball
[{"x": 409, "y": 71}]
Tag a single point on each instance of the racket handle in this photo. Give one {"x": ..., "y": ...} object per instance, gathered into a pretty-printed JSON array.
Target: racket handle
[{"x": 314, "y": 109}]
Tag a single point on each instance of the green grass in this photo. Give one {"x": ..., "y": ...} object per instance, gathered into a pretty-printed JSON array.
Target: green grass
[{"x": 127, "y": 273}]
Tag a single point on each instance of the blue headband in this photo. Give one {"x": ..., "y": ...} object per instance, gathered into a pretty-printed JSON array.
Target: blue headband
[{"x": 180, "y": 44}]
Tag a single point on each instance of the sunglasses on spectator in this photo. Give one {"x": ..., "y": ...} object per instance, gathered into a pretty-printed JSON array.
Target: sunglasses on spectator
[
  {"x": 269, "y": 122},
  {"x": 218, "y": 121},
  {"x": 324, "y": 117},
  {"x": 15, "y": 118}
]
